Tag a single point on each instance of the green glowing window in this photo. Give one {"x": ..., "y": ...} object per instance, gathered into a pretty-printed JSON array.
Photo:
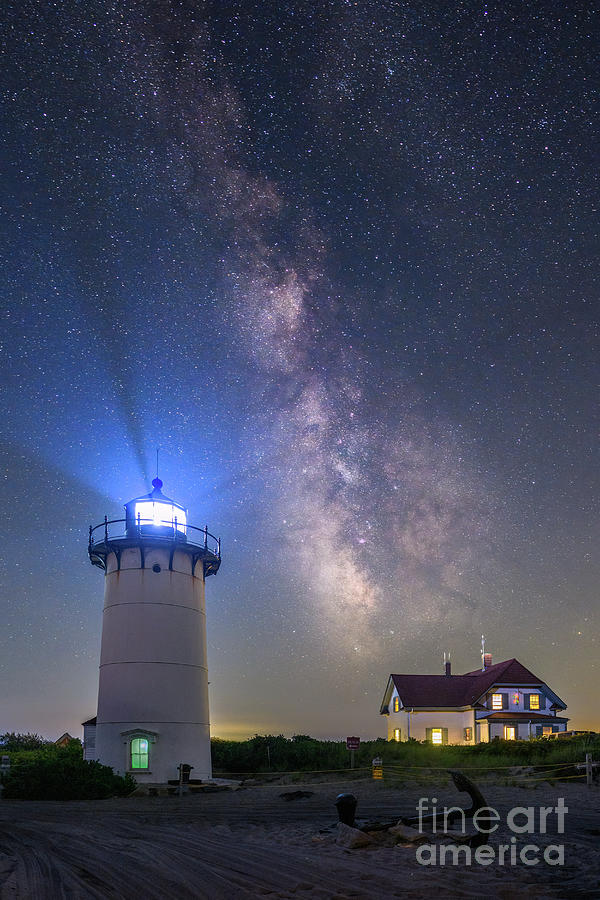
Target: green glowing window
[{"x": 139, "y": 753}]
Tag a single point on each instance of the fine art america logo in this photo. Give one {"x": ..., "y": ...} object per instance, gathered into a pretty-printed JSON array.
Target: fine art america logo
[{"x": 520, "y": 820}]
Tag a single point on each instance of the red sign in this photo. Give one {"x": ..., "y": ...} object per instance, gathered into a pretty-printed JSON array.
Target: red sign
[{"x": 352, "y": 743}]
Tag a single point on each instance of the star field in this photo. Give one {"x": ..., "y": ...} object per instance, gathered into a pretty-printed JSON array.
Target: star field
[{"x": 338, "y": 261}]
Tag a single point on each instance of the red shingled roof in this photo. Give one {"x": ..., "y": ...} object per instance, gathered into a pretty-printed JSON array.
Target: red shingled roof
[{"x": 460, "y": 690}]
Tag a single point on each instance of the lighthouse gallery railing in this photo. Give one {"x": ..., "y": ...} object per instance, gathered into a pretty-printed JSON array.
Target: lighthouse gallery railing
[{"x": 174, "y": 531}]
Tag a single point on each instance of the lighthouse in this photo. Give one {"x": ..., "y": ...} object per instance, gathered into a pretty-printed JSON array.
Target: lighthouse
[{"x": 153, "y": 685}]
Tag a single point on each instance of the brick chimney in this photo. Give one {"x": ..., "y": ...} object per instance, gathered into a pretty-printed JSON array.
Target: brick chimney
[{"x": 447, "y": 663}]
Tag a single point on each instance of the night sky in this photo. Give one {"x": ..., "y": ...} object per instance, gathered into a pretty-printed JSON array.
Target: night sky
[{"x": 338, "y": 261}]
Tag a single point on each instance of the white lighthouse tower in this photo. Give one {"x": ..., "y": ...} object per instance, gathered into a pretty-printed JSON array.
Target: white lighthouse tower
[{"x": 153, "y": 687}]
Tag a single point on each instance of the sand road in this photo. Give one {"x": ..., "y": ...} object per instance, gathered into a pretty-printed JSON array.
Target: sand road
[{"x": 251, "y": 843}]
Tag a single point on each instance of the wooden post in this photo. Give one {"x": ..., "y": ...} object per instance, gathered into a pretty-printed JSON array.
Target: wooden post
[{"x": 588, "y": 769}]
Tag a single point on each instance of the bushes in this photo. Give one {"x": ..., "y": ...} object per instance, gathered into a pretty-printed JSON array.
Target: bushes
[
  {"x": 63, "y": 775},
  {"x": 275, "y": 753}
]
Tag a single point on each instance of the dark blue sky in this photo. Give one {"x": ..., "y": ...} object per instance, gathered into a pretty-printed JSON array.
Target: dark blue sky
[{"x": 338, "y": 261}]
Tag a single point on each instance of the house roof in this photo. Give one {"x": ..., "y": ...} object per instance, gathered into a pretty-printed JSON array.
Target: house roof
[
  {"x": 438, "y": 691},
  {"x": 91, "y": 721},
  {"x": 507, "y": 716}
]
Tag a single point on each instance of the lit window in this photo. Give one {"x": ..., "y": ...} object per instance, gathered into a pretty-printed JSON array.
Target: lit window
[
  {"x": 396, "y": 734},
  {"x": 139, "y": 753},
  {"x": 468, "y": 734},
  {"x": 510, "y": 733},
  {"x": 547, "y": 729},
  {"x": 396, "y": 704},
  {"x": 496, "y": 701},
  {"x": 534, "y": 701},
  {"x": 437, "y": 736},
  {"x": 150, "y": 512},
  {"x": 515, "y": 699}
]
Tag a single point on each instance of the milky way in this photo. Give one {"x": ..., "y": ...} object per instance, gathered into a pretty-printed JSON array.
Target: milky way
[{"x": 338, "y": 262}]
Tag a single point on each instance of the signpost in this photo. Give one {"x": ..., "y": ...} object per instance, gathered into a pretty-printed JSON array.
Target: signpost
[
  {"x": 352, "y": 743},
  {"x": 378, "y": 768}
]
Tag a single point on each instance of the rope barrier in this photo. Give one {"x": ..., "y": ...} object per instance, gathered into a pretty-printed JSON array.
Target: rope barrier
[
  {"x": 393, "y": 769},
  {"x": 276, "y": 774},
  {"x": 527, "y": 778},
  {"x": 490, "y": 767}
]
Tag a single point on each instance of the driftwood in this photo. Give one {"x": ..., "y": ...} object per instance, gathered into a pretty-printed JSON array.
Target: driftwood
[
  {"x": 479, "y": 802},
  {"x": 463, "y": 784},
  {"x": 346, "y": 807}
]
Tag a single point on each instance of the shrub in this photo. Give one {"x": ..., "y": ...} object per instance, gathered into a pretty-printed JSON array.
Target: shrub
[{"x": 64, "y": 775}]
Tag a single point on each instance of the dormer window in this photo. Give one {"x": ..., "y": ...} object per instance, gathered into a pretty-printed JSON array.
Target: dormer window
[
  {"x": 534, "y": 701},
  {"x": 497, "y": 701}
]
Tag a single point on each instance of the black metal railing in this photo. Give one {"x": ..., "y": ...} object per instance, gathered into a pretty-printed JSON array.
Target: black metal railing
[{"x": 115, "y": 529}]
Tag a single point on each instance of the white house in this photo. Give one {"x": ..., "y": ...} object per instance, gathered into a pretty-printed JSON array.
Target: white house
[{"x": 504, "y": 700}]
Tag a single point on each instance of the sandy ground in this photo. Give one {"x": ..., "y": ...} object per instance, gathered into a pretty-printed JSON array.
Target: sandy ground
[{"x": 252, "y": 843}]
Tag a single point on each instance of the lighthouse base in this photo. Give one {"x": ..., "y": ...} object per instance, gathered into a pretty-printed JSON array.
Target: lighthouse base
[{"x": 152, "y": 751}]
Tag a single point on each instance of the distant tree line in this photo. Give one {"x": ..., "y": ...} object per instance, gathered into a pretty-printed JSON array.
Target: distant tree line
[{"x": 12, "y": 741}]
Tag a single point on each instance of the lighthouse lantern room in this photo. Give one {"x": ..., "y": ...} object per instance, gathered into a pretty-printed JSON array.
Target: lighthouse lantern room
[{"x": 153, "y": 685}]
